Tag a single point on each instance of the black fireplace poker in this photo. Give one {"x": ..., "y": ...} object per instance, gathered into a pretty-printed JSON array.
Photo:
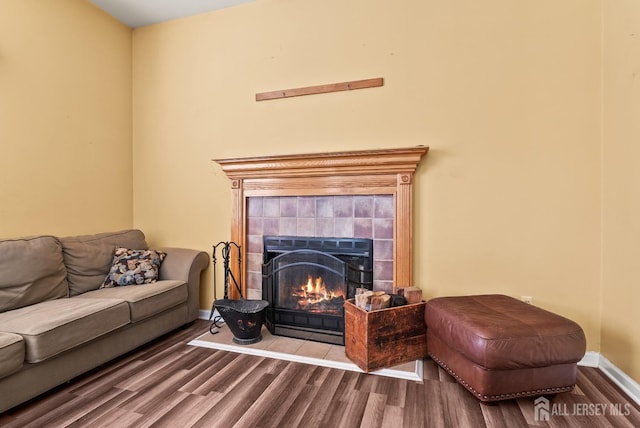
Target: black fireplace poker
[
  {"x": 228, "y": 274},
  {"x": 225, "y": 250}
]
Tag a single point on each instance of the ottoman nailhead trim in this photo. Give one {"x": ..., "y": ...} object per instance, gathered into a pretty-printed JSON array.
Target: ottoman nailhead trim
[{"x": 501, "y": 396}]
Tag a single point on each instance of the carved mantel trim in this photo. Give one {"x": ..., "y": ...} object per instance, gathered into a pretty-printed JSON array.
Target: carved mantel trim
[
  {"x": 320, "y": 164},
  {"x": 365, "y": 172}
]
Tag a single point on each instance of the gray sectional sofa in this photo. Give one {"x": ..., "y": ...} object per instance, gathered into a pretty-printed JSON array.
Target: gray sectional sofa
[{"x": 57, "y": 323}]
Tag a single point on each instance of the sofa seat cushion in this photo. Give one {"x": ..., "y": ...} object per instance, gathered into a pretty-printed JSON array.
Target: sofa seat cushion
[
  {"x": 11, "y": 353},
  {"x": 88, "y": 257},
  {"x": 55, "y": 326},
  {"x": 144, "y": 300},
  {"x": 31, "y": 271}
]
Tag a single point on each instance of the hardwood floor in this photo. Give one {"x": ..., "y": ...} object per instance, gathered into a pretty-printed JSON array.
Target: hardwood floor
[{"x": 171, "y": 384}]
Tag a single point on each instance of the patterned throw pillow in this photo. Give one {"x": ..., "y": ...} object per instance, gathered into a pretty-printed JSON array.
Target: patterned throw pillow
[{"x": 131, "y": 267}]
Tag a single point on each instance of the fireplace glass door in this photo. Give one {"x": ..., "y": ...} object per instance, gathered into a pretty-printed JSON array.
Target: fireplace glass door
[
  {"x": 309, "y": 280},
  {"x": 306, "y": 281}
]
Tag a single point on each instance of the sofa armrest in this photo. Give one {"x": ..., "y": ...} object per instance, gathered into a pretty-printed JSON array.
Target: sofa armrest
[{"x": 186, "y": 265}]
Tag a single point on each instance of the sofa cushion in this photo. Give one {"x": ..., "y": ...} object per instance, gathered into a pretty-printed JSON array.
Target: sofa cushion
[
  {"x": 52, "y": 327},
  {"x": 11, "y": 353},
  {"x": 31, "y": 271},
  {"x": 134, "y": 267},
  {"x": 88, "y": 257},
  {"x": 144, "y": 300}
]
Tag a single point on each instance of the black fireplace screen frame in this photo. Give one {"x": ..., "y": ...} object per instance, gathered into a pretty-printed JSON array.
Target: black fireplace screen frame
[
  {"x": 339, "y": 255},
  {"x": 283, "y": 264}
]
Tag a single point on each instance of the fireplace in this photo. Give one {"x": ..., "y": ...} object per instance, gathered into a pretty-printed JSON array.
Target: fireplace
[
  {"x": 383, "y": 173},
  {"x": 306, "y": 281}
]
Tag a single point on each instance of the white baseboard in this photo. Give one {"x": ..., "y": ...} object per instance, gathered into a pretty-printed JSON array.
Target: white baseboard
[
  {"x": 620, "y": 378},
  {"x": 590, "y": 359},
  {"x": 204, "y": 314}
]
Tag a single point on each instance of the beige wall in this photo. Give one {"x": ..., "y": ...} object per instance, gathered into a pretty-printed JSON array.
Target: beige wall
[
  {"x": 621, "y": 208},
  {"x": 507, "y": 94},
  {"x": 65, "y": 119},
  {"x": 529, "y": 187}
]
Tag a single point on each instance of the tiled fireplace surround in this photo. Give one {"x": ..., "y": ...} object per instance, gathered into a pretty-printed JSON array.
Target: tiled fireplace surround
[
  {"x": 361, "y": 194},
  {"x": 362, "y": 216}
]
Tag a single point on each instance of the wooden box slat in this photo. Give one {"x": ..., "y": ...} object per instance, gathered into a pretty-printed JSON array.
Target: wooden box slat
[{"x": 386, "y": 337}]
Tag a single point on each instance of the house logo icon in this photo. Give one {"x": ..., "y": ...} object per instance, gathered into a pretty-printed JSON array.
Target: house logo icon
[{"x": 541, "y": 409}]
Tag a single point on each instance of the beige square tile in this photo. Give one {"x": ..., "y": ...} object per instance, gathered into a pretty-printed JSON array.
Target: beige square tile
[
  {"x": 285, "y": 345},
  {"x": 314, "y": 350},
  {"x": 336, "y": 353}
]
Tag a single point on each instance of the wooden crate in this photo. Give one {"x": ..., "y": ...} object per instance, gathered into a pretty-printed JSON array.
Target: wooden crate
[{"x": 386, "y": 337}]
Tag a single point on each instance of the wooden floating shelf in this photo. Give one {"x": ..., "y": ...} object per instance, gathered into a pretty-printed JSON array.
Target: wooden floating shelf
[{"x": 320, "y": 89}]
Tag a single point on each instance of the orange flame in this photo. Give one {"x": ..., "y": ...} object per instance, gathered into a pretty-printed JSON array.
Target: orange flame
[{"x": 315, "y": 291}]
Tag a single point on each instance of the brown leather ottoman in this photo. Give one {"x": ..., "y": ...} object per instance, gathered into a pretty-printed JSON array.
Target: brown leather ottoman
[{"x": 501, "y": 348}]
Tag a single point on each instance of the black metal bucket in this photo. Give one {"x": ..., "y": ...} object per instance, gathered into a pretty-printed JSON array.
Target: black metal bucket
[{"x": 244, "y": 318}]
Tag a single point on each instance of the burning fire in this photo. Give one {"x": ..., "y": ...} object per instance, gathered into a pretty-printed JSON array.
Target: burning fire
[{"x": 315, "y": 291}]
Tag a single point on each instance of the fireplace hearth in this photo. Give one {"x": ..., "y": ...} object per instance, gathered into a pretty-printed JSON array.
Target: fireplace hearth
[{"x": 306, "y": 281}]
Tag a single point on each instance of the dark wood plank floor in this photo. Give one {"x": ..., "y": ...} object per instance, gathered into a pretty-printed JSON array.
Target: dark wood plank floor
[{"x": 171, "y": 384}]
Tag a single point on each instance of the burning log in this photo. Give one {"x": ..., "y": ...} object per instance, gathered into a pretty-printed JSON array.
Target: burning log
[
  {"x": 325, "y": 306},
  {"x": 315, "y": 296}
]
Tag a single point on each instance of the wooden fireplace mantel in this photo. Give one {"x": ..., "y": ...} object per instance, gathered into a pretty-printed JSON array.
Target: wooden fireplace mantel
[{"x": 366, "y": 172}]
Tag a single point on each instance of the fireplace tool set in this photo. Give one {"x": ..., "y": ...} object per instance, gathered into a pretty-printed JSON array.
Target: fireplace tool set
[{"x": 244, "y": 317}]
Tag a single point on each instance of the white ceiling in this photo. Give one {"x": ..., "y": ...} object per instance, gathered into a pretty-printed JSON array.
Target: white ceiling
[{"x": 138, "y": 13}]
